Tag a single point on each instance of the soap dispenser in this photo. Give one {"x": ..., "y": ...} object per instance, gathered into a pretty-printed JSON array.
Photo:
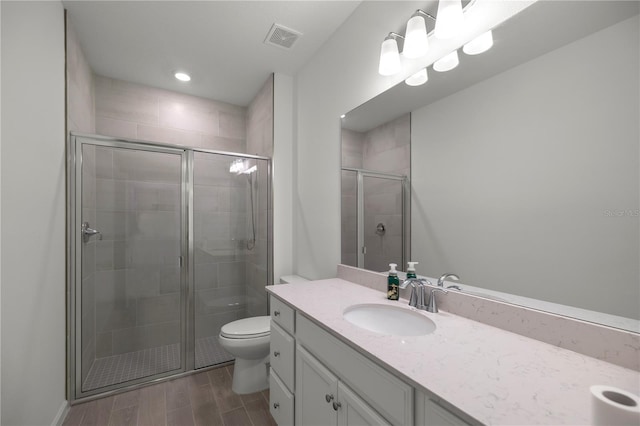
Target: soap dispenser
[
  {"x": 411, "y": 270},
  {"x": 392, "y": 283}
]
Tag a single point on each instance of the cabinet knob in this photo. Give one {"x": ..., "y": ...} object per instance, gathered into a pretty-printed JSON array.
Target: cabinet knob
[
  {"x": 276, "y": 405},
  {"x": 276, "y": 353},
  {"x": 276, "y": 314},
  {"x": 328, "y": 397},
  {"x": 336, "y": 406}
]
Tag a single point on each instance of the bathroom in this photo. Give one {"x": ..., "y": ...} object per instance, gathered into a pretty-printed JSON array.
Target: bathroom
[{"x": 307, "y": 219}]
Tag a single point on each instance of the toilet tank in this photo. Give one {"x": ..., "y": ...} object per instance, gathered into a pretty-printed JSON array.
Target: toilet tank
[{"x": 292, "y": 279}]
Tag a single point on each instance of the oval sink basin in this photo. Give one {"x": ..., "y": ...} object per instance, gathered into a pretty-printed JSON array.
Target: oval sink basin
[{"x": 391, "y": 320}]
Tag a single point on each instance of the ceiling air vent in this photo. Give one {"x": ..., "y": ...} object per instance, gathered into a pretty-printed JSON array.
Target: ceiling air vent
[{"x": 282, "y": 36}]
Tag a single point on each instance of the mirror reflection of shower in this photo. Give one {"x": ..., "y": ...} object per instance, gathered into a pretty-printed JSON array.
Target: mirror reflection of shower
[{"x": 241, "y": 166}]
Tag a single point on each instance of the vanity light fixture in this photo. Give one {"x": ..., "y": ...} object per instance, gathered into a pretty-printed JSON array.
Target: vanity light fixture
[
  {"x": 389, "y": 56},
  {"x": 449, "y": 20},
  {"x": 182, "y": 76},
  {"x": 480, "y": 44},
  {"x": 418, "y": 78},
  {"x": 416, "y": 40},
  {"x": 447, "y": 62}
]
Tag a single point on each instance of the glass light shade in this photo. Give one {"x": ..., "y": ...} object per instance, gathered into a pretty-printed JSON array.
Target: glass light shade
[
  {"x": 389, "y": 57},
  {"x": 480, "y": 44},
  {"x": 182, "y": 76},
  {"x": 416, "y": 42},
  {"x": 418, "y": 78},
  {"x": 447, "y": 63},
  {"x": 450, "y": 19}
]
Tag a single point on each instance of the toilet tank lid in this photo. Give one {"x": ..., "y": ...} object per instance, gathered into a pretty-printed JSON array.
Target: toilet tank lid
[
  {"x": 247, "y": 327},
  {"x": 290, "y": 279}
]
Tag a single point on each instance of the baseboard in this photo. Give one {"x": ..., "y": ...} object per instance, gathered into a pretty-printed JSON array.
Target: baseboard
[{"x": 62, "y": 414}]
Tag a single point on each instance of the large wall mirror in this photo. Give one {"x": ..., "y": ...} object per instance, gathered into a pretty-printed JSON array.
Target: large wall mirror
[{"x": 524, "y": 163}]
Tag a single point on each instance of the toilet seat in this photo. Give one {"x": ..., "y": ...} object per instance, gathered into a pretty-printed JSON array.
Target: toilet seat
[{"x": 247, "y": 328}]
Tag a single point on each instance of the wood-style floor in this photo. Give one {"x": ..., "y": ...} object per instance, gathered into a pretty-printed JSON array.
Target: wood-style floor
[{"x": 199, "y": 399}]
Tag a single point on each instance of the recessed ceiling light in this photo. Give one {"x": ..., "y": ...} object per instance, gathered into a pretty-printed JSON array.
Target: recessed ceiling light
[{"x": 182, "y": 76}]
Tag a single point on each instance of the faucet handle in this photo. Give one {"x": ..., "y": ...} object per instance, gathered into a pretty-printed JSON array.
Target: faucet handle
[
  {"x": 413, "y": 299},
  {"x": 432, "y": 306}
]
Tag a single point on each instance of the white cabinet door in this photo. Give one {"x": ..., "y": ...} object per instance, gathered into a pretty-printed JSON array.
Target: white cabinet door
[
  {"x": 316, "y": 391},
  {"x": 353, "y": 411}
]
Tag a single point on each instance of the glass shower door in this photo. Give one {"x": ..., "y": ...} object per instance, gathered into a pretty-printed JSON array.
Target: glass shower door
[
  {"x": 231, "y": 212},
  {"x": 130, "y": 296}
]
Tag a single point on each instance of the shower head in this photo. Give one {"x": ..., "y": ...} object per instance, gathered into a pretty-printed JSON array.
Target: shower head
[{"x": 240, "y": 166}]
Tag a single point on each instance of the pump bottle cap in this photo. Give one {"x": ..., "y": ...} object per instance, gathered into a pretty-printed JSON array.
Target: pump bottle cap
[
  {"x": 412, "y": 266},
  {"x": 392, "y": 269}
]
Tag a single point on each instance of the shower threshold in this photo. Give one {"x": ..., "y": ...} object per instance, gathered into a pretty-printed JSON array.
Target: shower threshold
[{"x": 129, "y": 366}]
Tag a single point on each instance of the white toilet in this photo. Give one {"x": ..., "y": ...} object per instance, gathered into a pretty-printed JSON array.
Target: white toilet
[{"x": 248, "y": 341}]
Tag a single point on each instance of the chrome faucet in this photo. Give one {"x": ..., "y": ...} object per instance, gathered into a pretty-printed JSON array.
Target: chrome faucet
[
  {"x": 417, "y": 292},
  {"x": 441, "y": 280},
  {"x": 432, "y": 306}
]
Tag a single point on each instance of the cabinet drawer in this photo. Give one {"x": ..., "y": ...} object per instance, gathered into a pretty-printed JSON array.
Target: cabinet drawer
[
  {"x": 387, "y": 394},
  {"x": 282, "y": 314},
  {"x": 282, "y": 354},
  {"x": 281, "y": 401}
]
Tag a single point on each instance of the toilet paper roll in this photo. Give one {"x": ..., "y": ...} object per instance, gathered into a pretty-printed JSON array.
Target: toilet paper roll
[{"x": 612, "y": 406}]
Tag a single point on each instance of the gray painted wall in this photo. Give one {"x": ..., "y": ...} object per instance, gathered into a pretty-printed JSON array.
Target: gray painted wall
[
  {"x": 33, "y": 261},
  {"x": 513, "y": 176}
]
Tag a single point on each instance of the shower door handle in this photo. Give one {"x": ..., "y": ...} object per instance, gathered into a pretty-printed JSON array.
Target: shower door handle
[{"x": 88, "y": 232}]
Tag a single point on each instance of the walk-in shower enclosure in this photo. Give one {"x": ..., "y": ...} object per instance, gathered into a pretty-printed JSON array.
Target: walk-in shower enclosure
[{"x": 166, "y": 244}]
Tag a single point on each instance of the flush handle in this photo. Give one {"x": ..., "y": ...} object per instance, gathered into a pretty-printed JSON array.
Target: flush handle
[{"x": 276, "y": 405}]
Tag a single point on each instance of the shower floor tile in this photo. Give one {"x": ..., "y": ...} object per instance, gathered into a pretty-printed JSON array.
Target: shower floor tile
[
  {"x": 148, "y": 362},
  {"x": 209, "y": 352}
]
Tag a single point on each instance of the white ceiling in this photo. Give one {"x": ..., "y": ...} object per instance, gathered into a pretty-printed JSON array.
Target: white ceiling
[{"x": 220, "y": 43}]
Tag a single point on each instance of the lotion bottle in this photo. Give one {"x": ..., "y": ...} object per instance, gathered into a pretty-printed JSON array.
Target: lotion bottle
[
  {"x": 392, "y": 283},
  {"x": 411, "y": 270}
]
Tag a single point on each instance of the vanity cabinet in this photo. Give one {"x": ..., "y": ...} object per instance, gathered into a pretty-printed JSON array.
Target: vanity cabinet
[
  {"x": 282, "y": 358},
  {"x": 317, "y": 379},
  {"x": 322, "y": 399},
  {"x": 431, "y": 412}
]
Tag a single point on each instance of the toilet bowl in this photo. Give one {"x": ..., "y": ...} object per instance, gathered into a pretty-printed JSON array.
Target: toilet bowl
[{"x": 247, "y": 340}]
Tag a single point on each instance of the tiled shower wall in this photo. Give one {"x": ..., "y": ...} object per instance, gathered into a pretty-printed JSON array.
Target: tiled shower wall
[
  {"x": 387, "y": 149},
  {"x": 81, "y": 118},
  {"x": 135, "y": 111}
]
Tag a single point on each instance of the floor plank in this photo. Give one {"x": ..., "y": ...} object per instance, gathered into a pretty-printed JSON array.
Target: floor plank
[
  {"x": 237, "y": 417},
  {"x": 207, "y": 415},
  {"x": 180, "y": 417},
  {"x": 153, "y": 407},
  {"x": 177, "y": 393},
  {"x": 124, "y": 417}
]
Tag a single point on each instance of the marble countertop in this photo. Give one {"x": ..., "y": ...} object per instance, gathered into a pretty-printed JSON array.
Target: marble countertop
[{"x": 494, "y": 376}]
